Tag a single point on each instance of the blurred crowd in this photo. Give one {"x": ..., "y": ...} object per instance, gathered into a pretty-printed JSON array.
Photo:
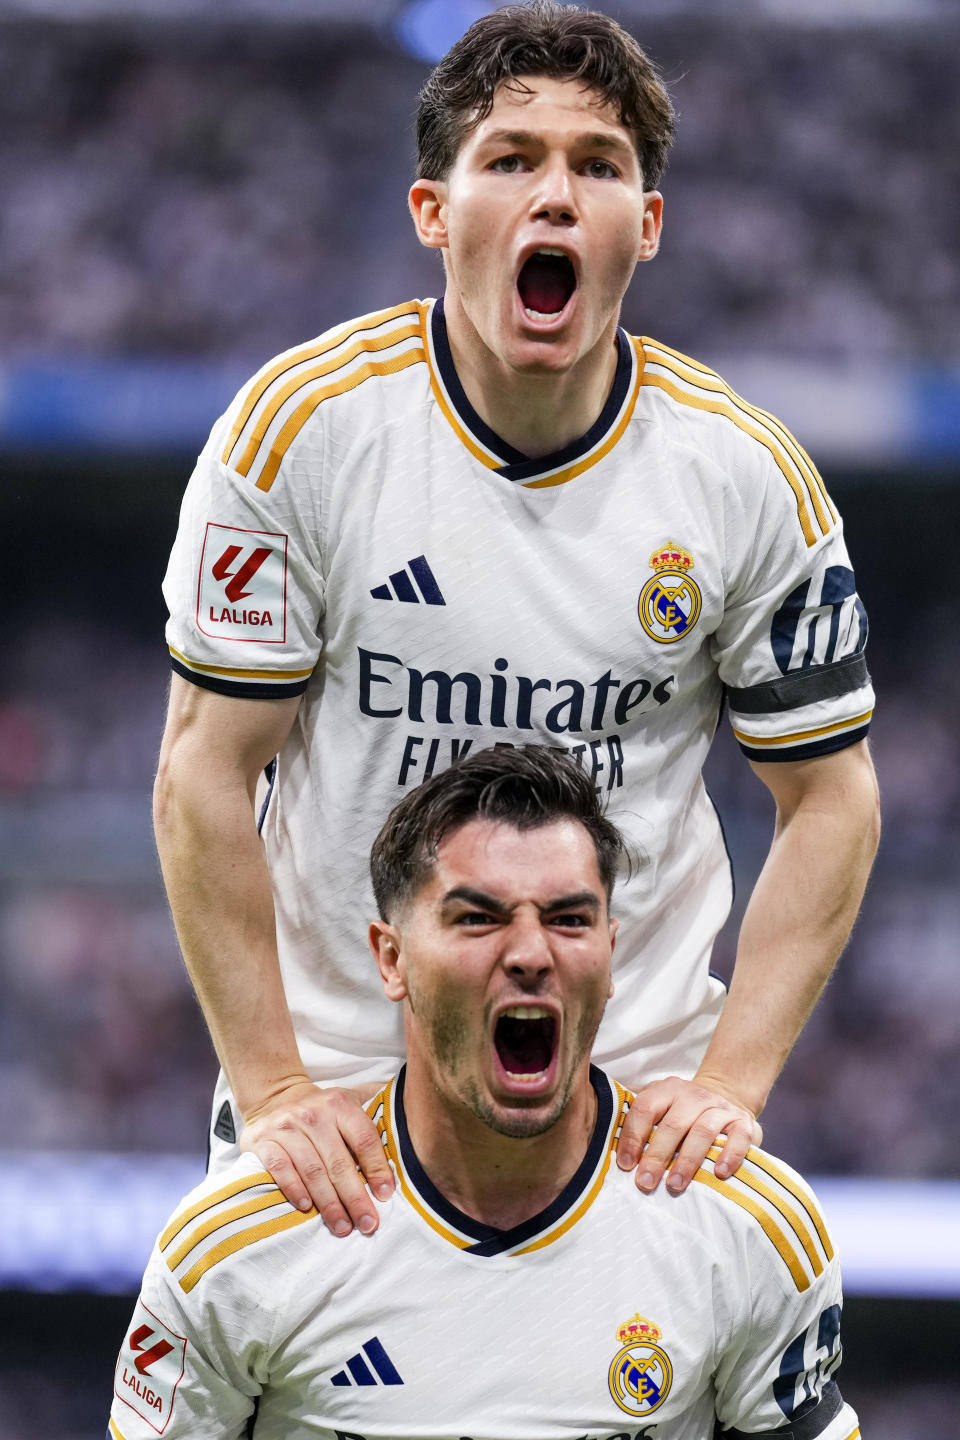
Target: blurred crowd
[{"x": 227, "y": 191}]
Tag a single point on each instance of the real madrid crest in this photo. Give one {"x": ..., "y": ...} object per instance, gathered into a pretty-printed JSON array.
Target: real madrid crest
[
  {"x": 670, "y": 602},
  {"x": 640, "y": 1373}
]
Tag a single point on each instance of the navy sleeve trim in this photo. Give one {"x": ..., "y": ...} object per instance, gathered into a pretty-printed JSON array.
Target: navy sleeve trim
[
  {"x": 803, "y": 687},
  {"x": 805, "y": 1424},
  {"x": 828, "y": 746},
  {"x": 241, "y": 689}
]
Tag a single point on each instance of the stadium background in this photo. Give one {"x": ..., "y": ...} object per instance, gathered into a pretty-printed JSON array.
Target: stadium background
[{"x": 189, "y": 187}]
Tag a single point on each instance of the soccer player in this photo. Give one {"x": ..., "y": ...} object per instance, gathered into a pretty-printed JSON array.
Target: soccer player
[
  {"x": 518, "y": 1285},
  {"x": 499, "y": 518}
]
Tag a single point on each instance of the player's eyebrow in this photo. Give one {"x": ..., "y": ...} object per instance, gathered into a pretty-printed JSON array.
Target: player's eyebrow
[
  {"x": 581, "y": 899},
  {"x": 590, "y": 140}
]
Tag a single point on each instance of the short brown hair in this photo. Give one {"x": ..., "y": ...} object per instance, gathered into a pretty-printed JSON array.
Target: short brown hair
[
  {"x": 525, "y": 786},
  {"x": 561, "y": 42}
]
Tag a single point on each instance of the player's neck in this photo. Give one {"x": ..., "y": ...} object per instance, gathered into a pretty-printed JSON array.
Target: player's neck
[
  {"x": 496, "y": 1179},
  {"x": 537, "y": 413}
]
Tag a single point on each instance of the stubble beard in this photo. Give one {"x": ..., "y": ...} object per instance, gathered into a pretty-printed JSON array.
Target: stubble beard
[{"x": 449, "y": 1032}]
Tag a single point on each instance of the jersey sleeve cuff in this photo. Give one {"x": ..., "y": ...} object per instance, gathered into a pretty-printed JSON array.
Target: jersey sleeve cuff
[
  {"x": 805, "y": 714},
  {"x": 244, "y": 684},
  {"x": 805, "y": 744}
]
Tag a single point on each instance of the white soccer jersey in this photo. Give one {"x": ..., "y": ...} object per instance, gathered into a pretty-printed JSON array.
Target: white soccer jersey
[
  {"x": 611, "y": 1314},
  {"x": 355, "y": 533}
]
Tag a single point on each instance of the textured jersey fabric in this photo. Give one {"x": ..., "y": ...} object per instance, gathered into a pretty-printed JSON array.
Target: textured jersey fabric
[{"x": 355, "y": 533}]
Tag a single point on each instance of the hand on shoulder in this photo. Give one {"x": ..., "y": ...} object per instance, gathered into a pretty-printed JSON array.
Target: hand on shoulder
[
  {"x": 671, "y": 1126},
  {"x": 323, "y": 1150}
]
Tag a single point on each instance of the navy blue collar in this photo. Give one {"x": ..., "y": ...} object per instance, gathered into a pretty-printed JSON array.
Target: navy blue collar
[
  {"x": 516, "y": 465},
  {"x": 487, "y": 1239}
]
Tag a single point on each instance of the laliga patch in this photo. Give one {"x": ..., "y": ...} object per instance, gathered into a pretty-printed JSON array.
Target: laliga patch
[
  {"x": 640, "y": 1374},
  {"x": 670, "y": 602},
  {"x": 242, "y": 592},
  {"x": 150, "y": 1368}
]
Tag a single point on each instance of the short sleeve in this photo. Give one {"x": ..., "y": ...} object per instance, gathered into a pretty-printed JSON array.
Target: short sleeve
[
  {"x": 790, "y": 647},
  {"x": 169, "y": 1379},
  {"x": 244, "y": 586},
  {"x": 777, "y": 1372}
]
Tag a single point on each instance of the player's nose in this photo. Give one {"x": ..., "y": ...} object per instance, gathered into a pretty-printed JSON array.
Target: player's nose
[
  {"x": 526, "y": 951},
  {"x": 554, "y": 197}
]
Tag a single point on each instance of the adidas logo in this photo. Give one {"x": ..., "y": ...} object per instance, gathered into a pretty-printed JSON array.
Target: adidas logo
[
  {"x": 225, "y": 1128},
  {"x": 386, "y": 1372},
  {"x": 403, "y": 587}
]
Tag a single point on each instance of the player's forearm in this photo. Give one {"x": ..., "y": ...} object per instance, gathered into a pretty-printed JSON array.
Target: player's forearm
[
  {"x": 219, "y": 891},
  {"x": 796, "y": 924}
]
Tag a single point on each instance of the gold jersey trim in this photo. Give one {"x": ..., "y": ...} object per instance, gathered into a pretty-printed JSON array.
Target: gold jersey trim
[
  {"x": 382, "y": 1111},
  {"x": 754, "y": 741},
  {"x": 718, "y": 398},
  {"x": 770, "y": 1228},
  {"x": 489, "y": 458},
  {"x": 240, "y": 674},
  {"x": 240, "y": 1240},
  {"x": 303, "y": 355},
  {"x": 216, "y": 1217},
  {"x": 278, "y": 385},
  {"x": 611, "y": 440},
  {"x": 797, "y": 1238},
  {"x": 200, "y": 1207}
]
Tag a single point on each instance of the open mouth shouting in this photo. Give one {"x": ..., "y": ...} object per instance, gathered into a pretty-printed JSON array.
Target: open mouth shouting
[
  {"x": 525, "y": 1042},
  {"x": 546, "y": 283}
]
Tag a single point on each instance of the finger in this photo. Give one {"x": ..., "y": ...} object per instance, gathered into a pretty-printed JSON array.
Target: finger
[
  {"x": 738, "y": 1140},
  {"x": 299, "y": 1141},
  {"x": 647, "y": 1108},
  {"x": 662, "y": 1147},
  {"x": 634, "y": 1135},
  {"x": 342, "y": 1135},
  {"x": 364, "y": 1141},
  {"x": 352, "y": 1193},
  {"x": 692, "y": 1152},
  {"x": 303, "y": 1181},
  {"x": 255, "y": 1139}
]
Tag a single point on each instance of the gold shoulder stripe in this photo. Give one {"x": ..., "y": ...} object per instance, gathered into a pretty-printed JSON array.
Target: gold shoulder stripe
[
  {"x": 236, "y": 1187},
  {"x": 272, "y": 1198},
  {"x": 625, "y": 1099},
  {"x": 302, "y": 414},
  {"x": 303, "y": 378},
  {"x": 765, "y": 1162},
  {"x": 115, "y": 1430},
  {"x": 241, "y": 674},
  {"x": 788, "y": 1213},
  {"x": 708, "y": 379},
  {"x": 755, "y": 740},
  {"x": 772, "y": 1231},
  {"x": 717, "y": 407},
  {"x": 300, "y": 357},
  {"x": 233, "y": 1243}
]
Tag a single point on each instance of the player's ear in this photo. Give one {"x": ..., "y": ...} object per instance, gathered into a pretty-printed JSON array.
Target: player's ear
[
  {"x": 385, "y": 944},
  {"x": 428, "y": 206},
  {"x": 652, "y": 225},
  {"x": 614, "y": 927}
]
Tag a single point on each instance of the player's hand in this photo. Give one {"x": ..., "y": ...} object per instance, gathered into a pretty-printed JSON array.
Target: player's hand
[
  {"x": 312, "y": 1140},
  {"x": 678, "y": 1121}
]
